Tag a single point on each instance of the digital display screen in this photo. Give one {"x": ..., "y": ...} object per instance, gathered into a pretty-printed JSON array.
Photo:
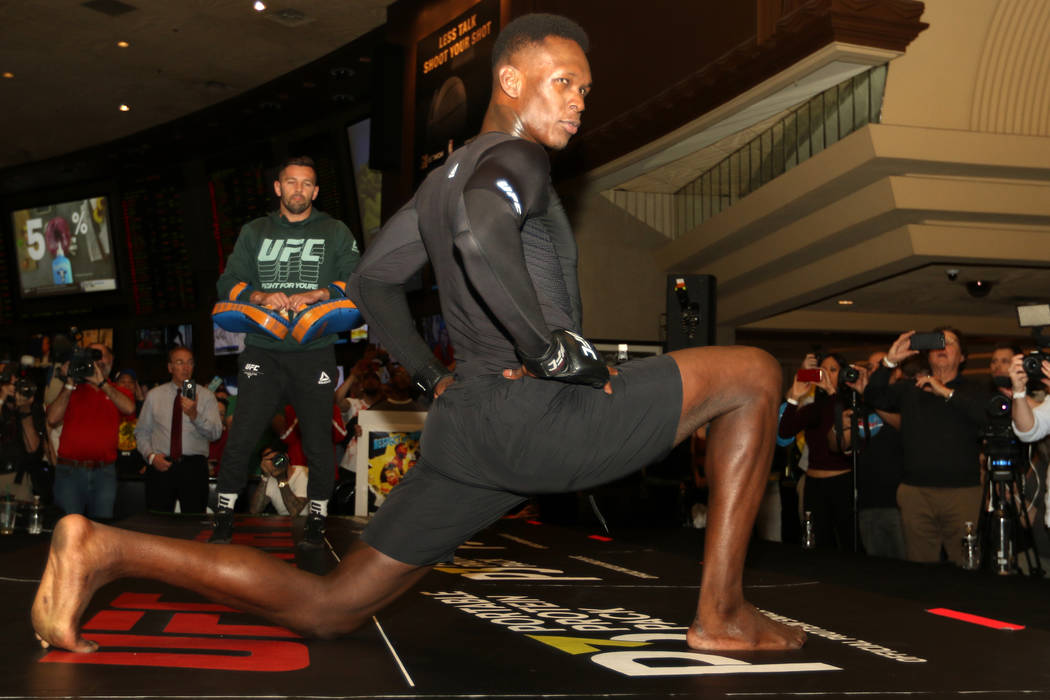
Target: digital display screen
[{"x": 65, "y": 248}]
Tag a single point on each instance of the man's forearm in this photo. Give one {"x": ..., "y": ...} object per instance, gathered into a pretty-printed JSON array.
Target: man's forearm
[
  {"x": 1023, "y": 417},
  {"x": 56, "y": 412},
  {"x": 124, "y": 403},
  {"x": 293, "y": 503}
]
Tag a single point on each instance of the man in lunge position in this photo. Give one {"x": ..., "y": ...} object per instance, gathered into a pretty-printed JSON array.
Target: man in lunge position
[{"x": 531, "y": 408}]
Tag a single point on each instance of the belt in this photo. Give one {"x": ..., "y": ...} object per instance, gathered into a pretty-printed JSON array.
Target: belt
[{"x": 82, "y": 463}]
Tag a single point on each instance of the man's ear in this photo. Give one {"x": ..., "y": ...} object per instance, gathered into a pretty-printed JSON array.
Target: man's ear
[
  {"x": 510, "y": 80},
  {"x": 277, "y": 188}
]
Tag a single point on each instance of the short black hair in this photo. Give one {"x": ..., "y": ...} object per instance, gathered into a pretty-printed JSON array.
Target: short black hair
[
  {"x": 533, "y": 29},
  {"x": 1012, "y": 347},
  {"x": 304, "y": 161}
]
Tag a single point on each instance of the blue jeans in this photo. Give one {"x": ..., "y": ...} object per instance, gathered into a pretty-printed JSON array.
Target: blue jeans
[{"x": 90, "y": 492}]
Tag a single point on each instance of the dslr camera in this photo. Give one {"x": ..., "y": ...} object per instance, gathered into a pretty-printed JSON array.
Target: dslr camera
[
  {"x": 25, "y": 387},
  {"x": 1033, "y": 364},
  {"x": 82, "y": 363},
  {"x": 849, "y": 373}
]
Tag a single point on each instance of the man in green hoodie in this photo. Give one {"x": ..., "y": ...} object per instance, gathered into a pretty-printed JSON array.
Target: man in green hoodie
[{"x": 287, "y": 260}]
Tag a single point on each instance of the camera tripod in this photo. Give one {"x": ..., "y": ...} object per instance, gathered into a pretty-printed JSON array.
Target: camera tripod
[{"x": 1005, "y": 528}]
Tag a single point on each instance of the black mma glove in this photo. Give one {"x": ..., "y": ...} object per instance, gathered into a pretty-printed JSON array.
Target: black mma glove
[{"x": 568, "y": 358}]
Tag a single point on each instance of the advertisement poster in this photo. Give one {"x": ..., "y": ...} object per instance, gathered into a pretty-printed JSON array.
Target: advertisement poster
[
  {"x": 64, "y": 248},
  {"x": 390, "y": 455},
  {"x": 453, "y": 81}
]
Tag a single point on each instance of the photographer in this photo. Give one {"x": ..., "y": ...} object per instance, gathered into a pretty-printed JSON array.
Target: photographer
[
  {"x": 942, "y": 417},
  {"x": 281, "y": 484},
  {"x": 22, "y": 436},
  {"x": 829, "y": 487},
  {"x": 90, "y": 408},
  {"x": 1030, "y": 424},
  {"x": 178, "y": 422}
]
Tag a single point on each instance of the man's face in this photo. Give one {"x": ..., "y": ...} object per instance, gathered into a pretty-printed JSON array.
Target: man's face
[
  {"x": 950, "y": 357},
  {"x": 555, "y": 80},
  {"x": 1000, "y": 364},
  {"x": 106, "y": 363},
  {"x": 181, "y": 366},
  {"x": 296, "y": 185}
]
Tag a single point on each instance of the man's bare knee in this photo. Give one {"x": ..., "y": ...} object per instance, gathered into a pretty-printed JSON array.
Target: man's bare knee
[{"x": 763, "y": 371}]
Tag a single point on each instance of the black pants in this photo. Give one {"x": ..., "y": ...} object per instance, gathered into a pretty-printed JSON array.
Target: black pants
[
  {"x": 186, "y": 481},
  {"x": 831, "y": 502},
  {"x": 266, "y": 382}
]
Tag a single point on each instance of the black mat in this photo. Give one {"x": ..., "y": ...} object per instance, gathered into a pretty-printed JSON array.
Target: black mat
[{"x": 529, "y": 610}]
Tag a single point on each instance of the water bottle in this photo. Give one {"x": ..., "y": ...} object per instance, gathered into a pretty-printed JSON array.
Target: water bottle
[
  {"x": 971, "y": 554},
  {"x": 36, "y": 517},
  {"x": 809, "y": 538}
]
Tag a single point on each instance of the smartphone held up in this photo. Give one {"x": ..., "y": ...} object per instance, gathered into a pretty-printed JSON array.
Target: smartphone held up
[{"x": 815, "y": 374}]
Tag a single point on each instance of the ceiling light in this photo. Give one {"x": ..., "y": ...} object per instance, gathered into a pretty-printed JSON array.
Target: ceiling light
[
  {"x": 124, "y": 108},
  {"x": 845, "y": 302},
  {"x": 8, "y": 74},
  {"x": 259, "y": 5},
  {"x": 123, "y": 44}
]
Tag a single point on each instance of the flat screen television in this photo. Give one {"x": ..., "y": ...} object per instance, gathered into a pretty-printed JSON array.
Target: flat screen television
[{"x": 65, "y": 248}]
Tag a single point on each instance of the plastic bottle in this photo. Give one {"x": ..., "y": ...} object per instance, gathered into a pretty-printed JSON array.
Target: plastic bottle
[
  {"x": 970, "y": 552},
  {"x": 35, "y": 525}
]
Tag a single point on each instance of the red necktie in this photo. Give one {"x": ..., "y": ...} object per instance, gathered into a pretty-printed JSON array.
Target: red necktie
[{"x": 176, "y": 429}]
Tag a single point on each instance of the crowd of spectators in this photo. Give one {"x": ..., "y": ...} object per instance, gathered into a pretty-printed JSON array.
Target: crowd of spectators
[
  {"x": 918, "y": 471},
  {"x": 904, "y": 487},
  {"x": 71, "y": 439}
]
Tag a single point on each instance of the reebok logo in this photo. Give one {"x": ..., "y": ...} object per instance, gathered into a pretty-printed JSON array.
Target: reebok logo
[{"x": 324, "y": 379}]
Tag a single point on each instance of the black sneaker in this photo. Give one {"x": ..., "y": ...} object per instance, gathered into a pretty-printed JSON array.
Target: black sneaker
[
  {"x": 313, "y": 532},
  {"x": 222, "y": 527}
]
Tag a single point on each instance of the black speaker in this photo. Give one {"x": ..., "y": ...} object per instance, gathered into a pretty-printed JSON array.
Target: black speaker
[{"x": 690, "y": 311}]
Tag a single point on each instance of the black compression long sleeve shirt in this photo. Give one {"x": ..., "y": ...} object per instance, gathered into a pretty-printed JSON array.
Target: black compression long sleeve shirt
[{"x": 502, "y": 251}]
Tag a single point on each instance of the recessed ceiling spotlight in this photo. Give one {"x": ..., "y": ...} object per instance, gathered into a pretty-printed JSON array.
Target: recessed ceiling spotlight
[
  {"x": 259, "y": 5},
  {"x": 845, "y": 302},
  {"x": 8, "y": 74},
  {"x": 124, "y": 108},
  {"x": 123, "y": 44}
]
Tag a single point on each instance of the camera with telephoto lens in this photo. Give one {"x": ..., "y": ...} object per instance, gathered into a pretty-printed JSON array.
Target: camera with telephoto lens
[
  {"x": 1033, "y": 364},
  {"x": 82, "y": 363}
]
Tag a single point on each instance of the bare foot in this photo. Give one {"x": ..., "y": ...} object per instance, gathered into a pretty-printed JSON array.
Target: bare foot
[
  {"x": 743, "y": 629},
  {"x": 69, "y": 581}
]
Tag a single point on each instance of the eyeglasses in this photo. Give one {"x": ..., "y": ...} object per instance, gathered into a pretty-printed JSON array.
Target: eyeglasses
[{"x": 182, "y": 362}]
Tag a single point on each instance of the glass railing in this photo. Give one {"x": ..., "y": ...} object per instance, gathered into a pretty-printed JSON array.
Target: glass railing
[{"x": 804, "y": 132}]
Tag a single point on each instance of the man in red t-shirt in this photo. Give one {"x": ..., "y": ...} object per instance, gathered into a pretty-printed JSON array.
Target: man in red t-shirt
[{"x": 90, "y": 412}]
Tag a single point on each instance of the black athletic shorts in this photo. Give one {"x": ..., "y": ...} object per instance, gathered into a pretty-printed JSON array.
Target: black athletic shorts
[{"x": 489, "y": 442}]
